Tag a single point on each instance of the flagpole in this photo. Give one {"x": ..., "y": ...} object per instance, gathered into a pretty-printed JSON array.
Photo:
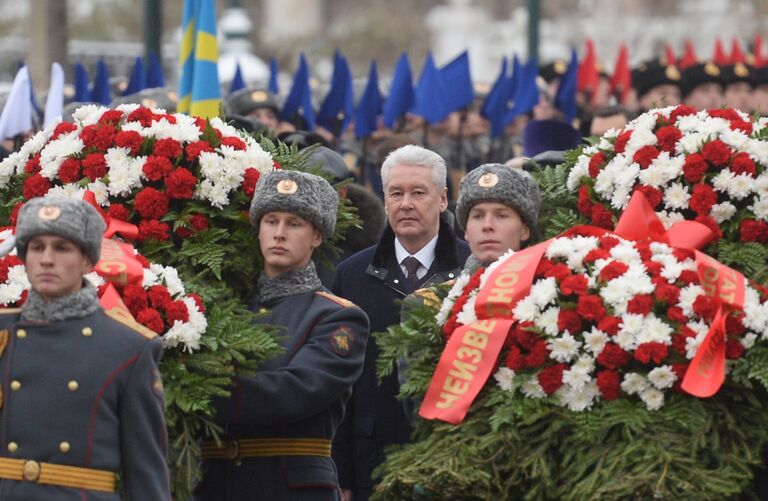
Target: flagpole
[
  {"x": 460, "y": 143},
  {"x": 364, "y": 162}
]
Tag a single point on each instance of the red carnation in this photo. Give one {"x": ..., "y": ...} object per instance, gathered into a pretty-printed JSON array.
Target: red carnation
[
  {"x": 198, "y": 301},
  {"x": 157, "y": 167},
  {"x": 733, "y": 349},
  {"x": 733, "y": 325},
  {"x": 526, "y": 338},
  {"x": 574, "y": 284},
  {"x": 135, "y": 298},
  {"x": 551, "y": 378},
  {"x": 688, "y": 277},
  {"x": 199, "y": 222},
  {"x": 596, "y": 254},
  {"x": 710, "y": 223},
  {"x": 153, "y": 230},
  {"x": 33, "y": 165},
  {"x": 101, "y": 138},
  {"x": 641, "y": 304},
  {"x": 159, "y": 296},
  {"x": 590, "y": 307},
  {"x": 681, "y": 111},
  {"x": 151, "y": 319},
  {"x": 141, "y": 259},
  {"x": 613, "y": 270},
  {"x": 69, "y": 170},
  {"x": 193, "y": 150},
  {"x": 609, "y": 384},
  {"x": 585, "y": 203},
  {"x": 621, "y": 141},
  {"x": 63, "y": 128},
  {"x": 610, "y": 325},
  {"x": 151, "y": 203},
  {"x": 651, "y": 351},
  {"x": 602, "y": 217},
  {"x": 653, "y": 267},
  {"x": 668, "y": 137},
  {"x": 559, "y": 271},
  {"x": 167, "y": 147},
  {"x": 703, "y": 198},
  {"x": 141, "y": 114},
  {"x": 119, "y": 211},
  {"x": 514, "y": 359},
  {"x": 751, "y": 230},
  {"x": 676, "y": 314},
  {"x": 234, "y": 142},
  {"x": 743, "y": 164},
  {"x": 94, "y": 166},
  {"x": 250, "y": 178},
  {"x": 596, "y": 163},
  {"x": 654, "y": 195},
  {"x": 35, "y": 186},
  {"x": 181, "y": 184},
  {"x": 742, "y": 125},
  {"x": 538, "y": 356},
  {"x": 694, "y": 168},
  {"x": 129, "y": 139},
  {"x": 608, "y": 242},
  {"x": 667, "y": 293},
  {"x": 177, "y": 310},
  {"x": 613, "y": 356},
  {"x": 724, "y": 113},
  {"x": 716, "y": 152},
  {"x": 645, "y": 156},
  {"x": 544, "y": 266},
  {"x": 111, "y": 117},
  {"x": 705, "y": 306},
  {"x": 569, "y": 320},
  {"x": 644, "y": 249}
]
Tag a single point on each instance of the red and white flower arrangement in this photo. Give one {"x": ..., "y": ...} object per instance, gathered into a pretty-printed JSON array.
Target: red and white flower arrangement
[
  {"x": 607, "y": 318},
  {"x": 708, "y": 166},
  {"x": 160, "y": 302},
  {"x": 143, "y": 164}
]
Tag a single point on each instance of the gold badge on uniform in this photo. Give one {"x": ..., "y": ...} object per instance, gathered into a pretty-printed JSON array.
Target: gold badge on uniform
[
  {"x": 49, "y": 213},
  {"x": 287, "y": 187},
  {"x": 488, "y": 180},
  {"x": 259, "y": 96},
  {"x": 711, "y": 69},
  {"x": 672, "y": 73},
  {"x": 342, "y": 340}
]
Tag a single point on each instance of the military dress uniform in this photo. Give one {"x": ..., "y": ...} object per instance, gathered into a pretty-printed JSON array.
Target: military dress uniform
[
  {"x": 279, "y": 423},
  {"x": 81, "y": 401}
]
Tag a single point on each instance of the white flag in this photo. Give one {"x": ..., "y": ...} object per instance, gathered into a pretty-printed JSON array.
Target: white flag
[
  {"x": 17, "y": 113},
  {"x": 54, "y": 105}
]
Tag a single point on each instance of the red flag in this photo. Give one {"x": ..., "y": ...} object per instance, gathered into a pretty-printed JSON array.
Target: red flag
[
  {"x": 689, "y": 56},
  {"x": 622, "y": 78},
  {"x": 587, "y": 78},
  {"x": 737, "y": 55},
  {"x": 719, "y": 57},
  {"x": 669, "y": 55}
]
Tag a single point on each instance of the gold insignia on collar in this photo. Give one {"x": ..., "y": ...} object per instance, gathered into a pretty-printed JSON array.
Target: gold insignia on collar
[
  {"x": 287, "y": 187},
  {"x": 259, "y": 96},
  {"x": 488, "y": 180},
  {"x": 49, "y": 213},
  {"x": 672, "y": 73},
  {"x": 740, "y": 70},
  {"x": 711, "y": 69}
]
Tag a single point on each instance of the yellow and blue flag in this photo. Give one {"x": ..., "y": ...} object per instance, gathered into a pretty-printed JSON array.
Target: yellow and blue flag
[{"x": 199, "y": 93}]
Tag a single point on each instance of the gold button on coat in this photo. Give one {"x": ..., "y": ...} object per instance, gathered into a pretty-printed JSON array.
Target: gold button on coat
[
  {"x": 64, "y": 447},
  {"x": 87, "y": 331},
  {"x": 12, "y": 446},
  {"x": 73, "y": 386},
  {"x": 31, "y": 471},
  {"x": 15, "y": 385},
  {"x": 21, "y": 333}
]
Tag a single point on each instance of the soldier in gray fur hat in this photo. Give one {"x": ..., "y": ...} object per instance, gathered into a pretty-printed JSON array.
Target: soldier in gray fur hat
[
  {"x": 69, "y": 427},
  {"x": 279, "y": 422},
  {"x": 498, "y": 207}
]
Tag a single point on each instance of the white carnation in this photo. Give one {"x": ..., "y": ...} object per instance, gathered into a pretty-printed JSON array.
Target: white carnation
[
  {"x": 505, "y": 379},
  {"x": 662, "y": 377}
]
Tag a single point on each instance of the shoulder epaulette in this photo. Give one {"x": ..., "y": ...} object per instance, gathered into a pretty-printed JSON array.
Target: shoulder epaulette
[
  {"x": 336, "y": 299},
  {"x": 124, "y": 317},
  {"x": 429, "y": 297},
  {"x": 9, "y": 311}
]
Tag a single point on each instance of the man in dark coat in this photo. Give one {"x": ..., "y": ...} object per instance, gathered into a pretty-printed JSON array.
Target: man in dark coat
[
  {"x": 418, "y": 248},
  {"x": 279, "y": 422},
  {"x": 81, "y": 394}
]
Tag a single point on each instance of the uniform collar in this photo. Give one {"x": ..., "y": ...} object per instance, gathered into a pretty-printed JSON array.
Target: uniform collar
[
  {"x": 294, "y": 282},
  {"x": 77, "y": 305}
]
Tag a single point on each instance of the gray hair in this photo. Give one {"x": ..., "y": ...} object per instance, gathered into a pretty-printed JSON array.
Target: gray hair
[{"x": 412, "y": 154}]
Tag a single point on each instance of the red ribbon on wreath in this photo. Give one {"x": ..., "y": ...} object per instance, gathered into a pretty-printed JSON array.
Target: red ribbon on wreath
[{"x": 471, "y": 353}]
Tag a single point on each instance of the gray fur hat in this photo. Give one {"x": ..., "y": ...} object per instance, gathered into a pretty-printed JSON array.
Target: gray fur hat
[
  {"x": 300, "y": 193},
  {"x": 498, "y": 183},
  {"x": 70, "y": 218}
]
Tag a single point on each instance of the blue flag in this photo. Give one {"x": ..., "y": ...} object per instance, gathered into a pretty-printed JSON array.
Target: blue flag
[
  {"x": 565, "y": 97},
  {"x": 526, "y": 94},
  {"x": 237, "y": 80},
  {"x": 82, "y": 93},
  {"x": 369, "y": 107},
  {"x": 431, "y": 98},
  {"x": 457, "y": 80},
  {"x": 495, "y": 105},
  {"x": 138, "y": 80},
  {"x": 339, "y": 104},
  {"x": 101, "y": 91},
  {"x": 401, "y": 95},
  {"x": 155, "y": 76},
  {"x": 299, "y": 100},
  {"x": 274, "y": 88}
]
